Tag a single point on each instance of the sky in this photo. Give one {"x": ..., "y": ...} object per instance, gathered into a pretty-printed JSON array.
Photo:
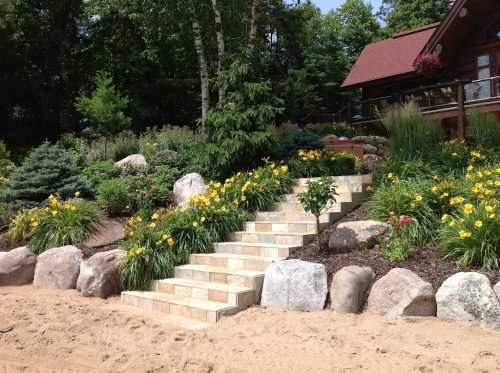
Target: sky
[{"x": 327, "y": 5}]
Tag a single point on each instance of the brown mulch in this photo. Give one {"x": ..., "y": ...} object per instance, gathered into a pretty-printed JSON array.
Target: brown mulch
[{"x": 425, "y": 261}]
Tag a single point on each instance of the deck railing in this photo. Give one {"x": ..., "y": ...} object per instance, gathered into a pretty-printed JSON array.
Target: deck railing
[{"x": 428, "y": 98}]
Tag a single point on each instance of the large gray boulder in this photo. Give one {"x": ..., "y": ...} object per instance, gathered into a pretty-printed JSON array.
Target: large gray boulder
[
  {"x": 402, "y": 293},
  {"x": 17, "y": 267},
  {"x": 186, "y": 187},
  {"x": 58, "y": 268},
  {"x": 107, "y": 232},
  {"x": 356, "y": 235},
  {"x": 468, "y": 296},
  {"x": 295, "y": 284},
  {"x": 349, "y": 288},
  {"x": 100, "y": 274},
  {"x": 497, "y": 289},
  {"x": 369, "y": 149},
  {"x": 135, "y": 160}
]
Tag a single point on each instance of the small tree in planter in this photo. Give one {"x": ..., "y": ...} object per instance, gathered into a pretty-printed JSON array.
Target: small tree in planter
[{"x": 317, "y": 197}]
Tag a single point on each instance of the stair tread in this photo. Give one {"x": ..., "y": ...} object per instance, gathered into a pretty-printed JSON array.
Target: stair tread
[
  {"x": 284, "y": 221},
  {"x": 209, "y": 268},
  {"x": 183, "y": 301},
  {"x": 240, "y": 256},
  {"x": 277, "y": 233},
  {"x": 258, "y": 244},
  {"x": 206, "y": 285}
]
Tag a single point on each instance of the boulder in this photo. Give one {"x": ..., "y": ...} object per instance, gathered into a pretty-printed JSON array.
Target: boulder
[
  {"x": 468, "y": 296},
  {"x": 188, "y": 186},
  {"x": 356, "y": 235},
  {"x": 349, "y": 288},
  {"x": 58, "y": 268},
  {"x": 369, "y": 149},
  {"x": 295, "y": 284},
  {"x": 497, "y": 289},
  {"x": 382, "y": 151},
  {"x": 343, "y": 138},
  {"x": 107, "y": 232},
  {"x": 402, "y": 293},
  {"x": 17, "y": 267},
  {"x": 165, "y": 155},
  {"x": 136, "y": 160},
  {"x": 100, "y": 274},
  {"x": 372, "y": 161}
]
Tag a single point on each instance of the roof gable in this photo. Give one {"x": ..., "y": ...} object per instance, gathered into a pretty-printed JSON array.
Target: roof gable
[{"x": 390, "y": 57}]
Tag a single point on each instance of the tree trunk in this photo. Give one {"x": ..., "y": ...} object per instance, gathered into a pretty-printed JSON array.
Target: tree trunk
[
  {"x": 200, "y": 50},
  {"x": 252, "y": 37},
  {"x": 317, "y": 230},
  {"x": 220, "y": 52}
]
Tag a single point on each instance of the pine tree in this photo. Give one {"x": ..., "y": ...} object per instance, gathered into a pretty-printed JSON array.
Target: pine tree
[{"x": 48, "y": 169}]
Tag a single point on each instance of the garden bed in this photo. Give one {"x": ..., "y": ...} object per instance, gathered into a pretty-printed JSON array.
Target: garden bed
[{"x": 425, "y": 261}]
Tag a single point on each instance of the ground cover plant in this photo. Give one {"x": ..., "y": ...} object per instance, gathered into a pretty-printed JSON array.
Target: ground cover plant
[
  {"x": 318, "y": 162},
  {"x": 59, "y": 223},
  {"x": 167, "y": 237}
]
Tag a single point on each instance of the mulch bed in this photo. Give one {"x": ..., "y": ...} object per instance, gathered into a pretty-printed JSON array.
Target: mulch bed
[{"x": 425, "y": 261}]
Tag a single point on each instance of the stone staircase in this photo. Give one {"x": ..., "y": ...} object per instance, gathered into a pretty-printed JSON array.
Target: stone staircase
[{"x": 230, "y": 280}]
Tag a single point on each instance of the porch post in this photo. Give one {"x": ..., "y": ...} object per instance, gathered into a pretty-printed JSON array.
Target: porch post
[
  {"x": 349, "y": 112},
  {"x": 462, "y": 118}
]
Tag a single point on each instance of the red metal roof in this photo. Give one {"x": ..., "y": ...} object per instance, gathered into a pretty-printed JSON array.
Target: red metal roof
[{"x": 390, "y": 57}]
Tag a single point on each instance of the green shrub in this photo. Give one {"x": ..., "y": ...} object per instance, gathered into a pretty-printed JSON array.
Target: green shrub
[
  {"x": 484, "y": 129},
  {"x": 61, "y": 223},
  {"x": 411, "y": 135},
  {"x": 76, "y": 145},
  {"x": 318, "y": 196},
  {"x": 290, "y": 139},
  {"x": 472, "y": 236},
  {"x": 5, "y": 162},
  {"x": 100, "y": 171},
  {"x": 48, "y": 169},
  {"x": 317, "y": 163},
  {"x": 337, "y": 129},
  {"x": 406, "y": 197},
  {"x": 114, "y": 149},
  {"x": 395, "y": 247},
  {"x": 115, "y": 196},
  {"x": 6, "y": 213}
]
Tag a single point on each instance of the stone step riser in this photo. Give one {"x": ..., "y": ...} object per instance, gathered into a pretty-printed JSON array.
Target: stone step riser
[
  {"x": 353, "y": 189},
  {"x": 264, "y": 227},
  {"x": 241, "y": 249},
  {"x": 165, "y": 306},
  {"x": 343, "y": 197},
  {"x": 277, "y": 216},
  {"x": 253, "y": 264},
  {"x": 252, "y": 282},
  {"x": 240, "y": 299},
  {"x": 340, "y": 181},
  {"x": 274, "y": 238}
]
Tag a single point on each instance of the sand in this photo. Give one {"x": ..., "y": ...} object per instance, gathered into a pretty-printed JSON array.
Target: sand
[{"x": 59, "y": 331}]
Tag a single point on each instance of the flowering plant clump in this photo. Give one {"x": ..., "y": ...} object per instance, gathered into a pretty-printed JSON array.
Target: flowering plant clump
[
  {"x": 157, "y": 243},
  {"x": 428, "y": 64},
  {"x": 317, "y": 163},
  {"x": 59, "y": 223},
  {"x": 396, "y": 245}
]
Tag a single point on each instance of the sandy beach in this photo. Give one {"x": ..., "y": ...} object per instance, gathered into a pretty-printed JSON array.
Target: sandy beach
[{"x": 59, "y": 331}]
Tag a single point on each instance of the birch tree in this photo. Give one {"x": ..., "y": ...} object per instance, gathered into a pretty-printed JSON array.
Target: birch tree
[{"x": 220, "y": 51}]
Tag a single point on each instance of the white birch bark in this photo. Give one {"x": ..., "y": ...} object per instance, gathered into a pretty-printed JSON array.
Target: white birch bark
[
  {"x": 252, "y": 37},
  {"x": 220, "y": 51},
  {"x": 200, "y": 50}
]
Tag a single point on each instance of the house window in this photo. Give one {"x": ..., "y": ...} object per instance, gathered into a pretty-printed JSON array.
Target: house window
[{"x": 484, "y": 69}]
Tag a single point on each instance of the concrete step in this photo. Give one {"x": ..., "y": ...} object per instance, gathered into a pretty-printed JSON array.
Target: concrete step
[
  {"x": 283, "y": 216},
  {"x": 298, "y": 207},
  {"x": 255, "y": 249},
  {"x": 294, "y": 198},
  {"x": 233, "y": 261},
  {"x": 283, "y": 227},
  {"x": 206, "y": 291},
  {"x": 292, "y": 239},
  {"x": 207, "y": 311},
  {"x": 238, "y": 277},
  {"x": 340, "y": 181}
]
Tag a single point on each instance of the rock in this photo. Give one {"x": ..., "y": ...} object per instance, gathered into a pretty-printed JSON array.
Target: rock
[
  {"x": 100, "y": 274},
  {"x": 363, "y": 139},
  {"x": 372, "y": 161},
  {"x": 497, "y": 289},
  {"x": 107, "y": 232},
  {"x": 468, "y": 296},
  {"x": 383, "y": 151},
  {"x": 58, "y": 268},
  {"x": 381, "y": 140},
  {"x": 369, "y": 149},
  {"x": 188, "y": 186},
  {"x": 295, "y": 284},
  {"x": 402, "y": 293},
  {"x": 17, "y": 267},
  {"x": 356, "y": 235},
  {"x": 343, "y": 139},
  {"x": 349, "y": 287},
  {"x": 136, "y": 160}
]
